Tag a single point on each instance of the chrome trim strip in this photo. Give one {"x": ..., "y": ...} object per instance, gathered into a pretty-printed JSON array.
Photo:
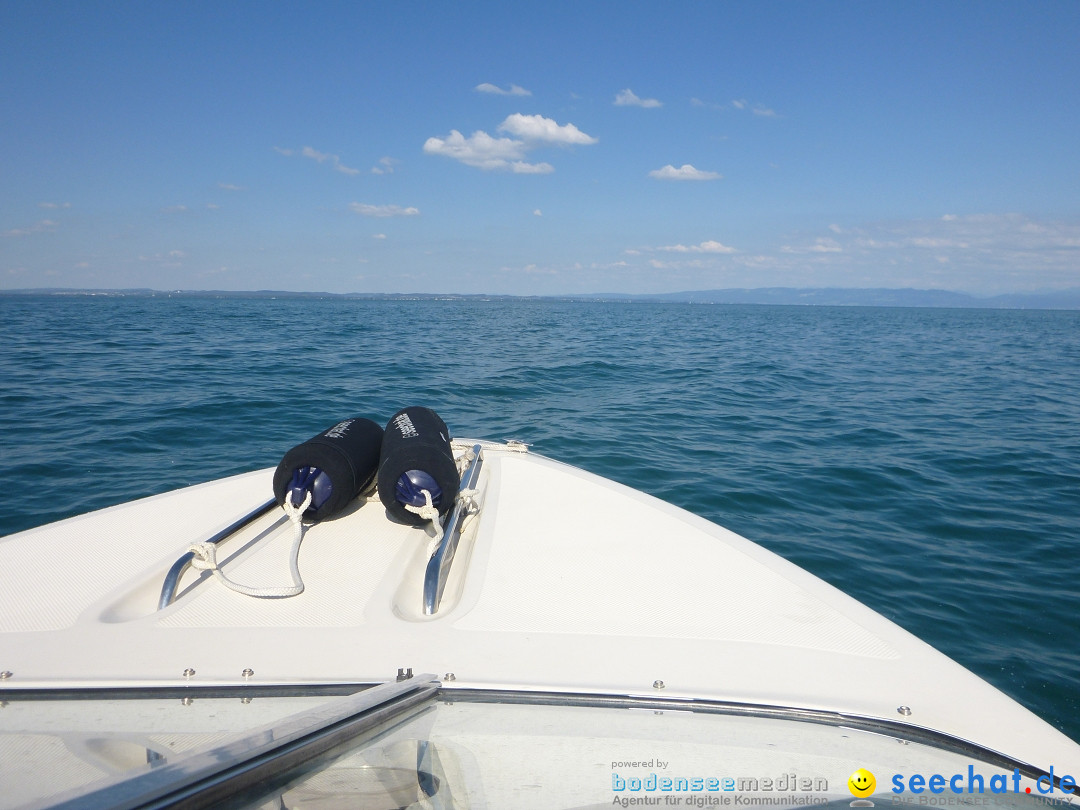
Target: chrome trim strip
[
  {"x": 892, "y": 728},
  {"x": 438, "y": 567}
]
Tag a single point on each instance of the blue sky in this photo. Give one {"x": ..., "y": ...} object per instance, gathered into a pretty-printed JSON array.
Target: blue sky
[{"x": 540, "y": 149}]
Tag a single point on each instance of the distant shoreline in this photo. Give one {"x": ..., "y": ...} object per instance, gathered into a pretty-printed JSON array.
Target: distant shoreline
[{"x": 781, "y": 296}]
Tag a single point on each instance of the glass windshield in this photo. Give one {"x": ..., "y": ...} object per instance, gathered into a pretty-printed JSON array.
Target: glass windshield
[{"x": 451, "y": 750}]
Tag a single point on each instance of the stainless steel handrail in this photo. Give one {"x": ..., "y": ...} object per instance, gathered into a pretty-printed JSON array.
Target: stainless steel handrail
[
  {"x": 438, "y": 567},
  {"x": 172, "y": 579}
]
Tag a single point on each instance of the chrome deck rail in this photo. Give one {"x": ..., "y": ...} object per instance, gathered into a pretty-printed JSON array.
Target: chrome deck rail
[
  {"x": 438, "y": 567},
  {"x": 172, "y": 579}
]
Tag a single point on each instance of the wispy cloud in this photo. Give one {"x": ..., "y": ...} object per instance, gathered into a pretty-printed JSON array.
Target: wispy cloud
[
  {"x": 484, "y": 151},
  {"x": 170, "y": 259},
  {"x": 684, "y": 172},
  {"x": 53, "y": 206},
  {"x": 973, "y": 236},
  {"x": 319, "y": 157},
  {"x": 821, "y": 244},
  {"x": 386, "y": 165},
  {"x": 979, "y": 253},
  {"x": 709, "y": 246},
  {"x": 368, "y": 210},
  {"x": 230, "y": 187},
  {"x": 514, "y": 90},
  {"x": 531, "y": 269},
  {"x": 324, "y": 157},
  {"x": 756, "y": 109},
  {"x": 40, "y": 226},
  {"x": 702, "y": 256},
  {"x": 627, "y": 98},
  {"x": 523, "y": 167},
  {"x": 175, "y": 209}
]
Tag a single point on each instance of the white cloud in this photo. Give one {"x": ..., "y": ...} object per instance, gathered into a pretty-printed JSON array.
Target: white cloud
[
  {"x": 521, "y": 167},
  {"x": 175, "y": 209},
  {"x": 286, "y": 152},
  {"x": 538, "y": 213},
  {"x": 538, "y": 128},
  {"x": 514, "y": 90},
  {"x": 52, "y": 205},
  {"x": 378, "y": 236},
  {"x": 508, "y": 154},
  {"x": 230, "y": 187},
  {"x": 708, "y": 246},
  {"x": 479, "y": 149},
  {"x": 368, "y": 210},
  {"x": 684, "y": 172},
  {"x": 627, "y": 98}
]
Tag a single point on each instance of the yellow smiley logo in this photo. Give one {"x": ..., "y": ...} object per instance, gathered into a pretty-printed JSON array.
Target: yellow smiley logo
[{"x": 861, "y": 783}]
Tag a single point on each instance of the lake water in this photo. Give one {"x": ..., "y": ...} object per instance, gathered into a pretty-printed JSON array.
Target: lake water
[{"x": 926, "y": 461}]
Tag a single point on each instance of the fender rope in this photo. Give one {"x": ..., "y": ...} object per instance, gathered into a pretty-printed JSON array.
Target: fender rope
[
  {"x": 206, "y": 558},
  {"x": 429, "y": 512}
]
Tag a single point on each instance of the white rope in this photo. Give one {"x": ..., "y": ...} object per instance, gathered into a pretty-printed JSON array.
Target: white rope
[
  {"x": 464, "y": 460},
  {"x": 206, "y": 558},
  {"x": 429, "y": 512},
  {"x": 472, "y": 508}
]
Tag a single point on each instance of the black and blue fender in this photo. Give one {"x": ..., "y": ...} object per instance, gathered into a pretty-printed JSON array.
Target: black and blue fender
[
  {"x": 416, "y": 456},
  {"x": 335, "y": 467}
]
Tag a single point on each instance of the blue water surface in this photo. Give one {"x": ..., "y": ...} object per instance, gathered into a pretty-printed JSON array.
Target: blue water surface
[{"x": 926, "y": 461}]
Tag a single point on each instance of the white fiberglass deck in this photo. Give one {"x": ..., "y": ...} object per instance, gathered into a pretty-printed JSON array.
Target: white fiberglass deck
[{"x": 564, "y": 583}]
